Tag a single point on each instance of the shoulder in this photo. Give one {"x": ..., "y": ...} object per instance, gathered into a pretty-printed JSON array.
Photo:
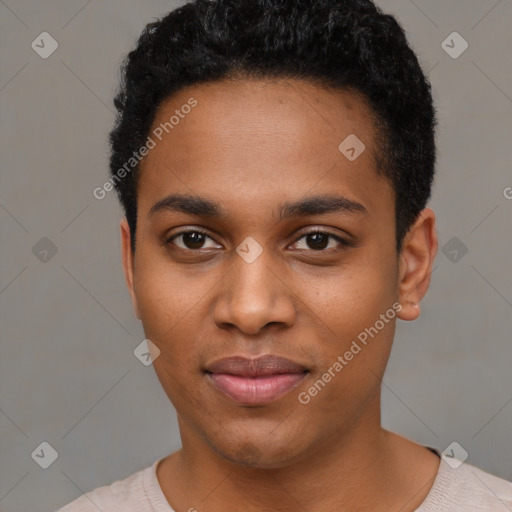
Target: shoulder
[
  {"x": 127, "y": 495},
  {"x": 467, "y": 488}
]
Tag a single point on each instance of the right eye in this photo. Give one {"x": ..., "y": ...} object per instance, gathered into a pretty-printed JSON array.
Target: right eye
[{"x": 191, "y": 240}]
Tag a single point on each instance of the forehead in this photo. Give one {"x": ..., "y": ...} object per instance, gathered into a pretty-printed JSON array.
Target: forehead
[{"x": 252, "y": 137}]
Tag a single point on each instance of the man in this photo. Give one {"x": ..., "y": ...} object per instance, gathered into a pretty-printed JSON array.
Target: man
[{"x": 274, "y": 159}]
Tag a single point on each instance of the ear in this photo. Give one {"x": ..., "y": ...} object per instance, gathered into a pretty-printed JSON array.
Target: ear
[
  {"x": 128, "y": 263},
  {"x": 415, "y": 266}
]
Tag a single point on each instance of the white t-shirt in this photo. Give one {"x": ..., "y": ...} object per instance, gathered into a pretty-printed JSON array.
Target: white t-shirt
[{"x": 462, "y": 489}]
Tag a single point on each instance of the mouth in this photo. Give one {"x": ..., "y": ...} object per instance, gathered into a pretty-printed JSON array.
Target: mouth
[{"x": 255, "y": 381}]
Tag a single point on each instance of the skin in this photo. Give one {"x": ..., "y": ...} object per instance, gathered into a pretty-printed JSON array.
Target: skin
[{"x": 251, "y": 145}]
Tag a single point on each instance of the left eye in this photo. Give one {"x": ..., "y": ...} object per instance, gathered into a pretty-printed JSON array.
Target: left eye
[{"x": 319, "y": 241}]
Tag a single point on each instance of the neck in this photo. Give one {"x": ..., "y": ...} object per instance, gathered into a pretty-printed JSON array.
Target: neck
[{"x": 363, "y": 467}]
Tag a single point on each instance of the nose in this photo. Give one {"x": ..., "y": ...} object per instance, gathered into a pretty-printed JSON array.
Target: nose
[{"x": 252, "y": 296}]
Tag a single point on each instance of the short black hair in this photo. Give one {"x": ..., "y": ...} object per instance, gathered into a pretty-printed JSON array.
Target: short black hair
[{"x": 343, "y": 44}]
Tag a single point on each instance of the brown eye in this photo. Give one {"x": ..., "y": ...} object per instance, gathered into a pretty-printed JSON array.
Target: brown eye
[
  {"x": 191, "y": 240},
  {"x": 319, "y": 241}
]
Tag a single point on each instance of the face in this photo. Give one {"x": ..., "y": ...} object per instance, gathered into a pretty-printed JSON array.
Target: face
[{"x": 274, "y": 243}]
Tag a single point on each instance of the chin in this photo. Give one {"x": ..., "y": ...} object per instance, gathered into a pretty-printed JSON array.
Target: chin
[{"x": 260, "y": 454}]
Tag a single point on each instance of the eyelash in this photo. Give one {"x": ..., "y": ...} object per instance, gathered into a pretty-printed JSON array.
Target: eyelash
[{"x": 344, "y": 243}]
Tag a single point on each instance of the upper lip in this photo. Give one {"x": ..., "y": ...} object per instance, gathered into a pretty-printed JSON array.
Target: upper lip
[{"x": 255, "y": 367}]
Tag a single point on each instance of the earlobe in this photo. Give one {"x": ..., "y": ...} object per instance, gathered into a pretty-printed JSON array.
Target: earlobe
[
  {"x": 415, "y": 266},
  {"x": 128, "y": 263},
  {"x": 410, "y": 311}
]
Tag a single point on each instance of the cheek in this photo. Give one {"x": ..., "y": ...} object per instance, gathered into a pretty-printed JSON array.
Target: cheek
[
  {"x": 355, "y": 341},
  {"x": 164, "y": 294},
  {"x": 355, "y": 347},
  {"x": 166, "y": 313},
  {"x": 173, "y": 309},
  {"x": 163, "y": 303},
  {"x": 351, "y": 298}
]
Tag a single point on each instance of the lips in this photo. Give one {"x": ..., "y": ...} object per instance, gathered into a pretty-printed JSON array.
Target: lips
[{"x": 255, "y": 381}]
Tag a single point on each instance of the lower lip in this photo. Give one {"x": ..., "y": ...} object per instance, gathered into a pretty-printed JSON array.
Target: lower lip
[{"x": 256, "y": 390}]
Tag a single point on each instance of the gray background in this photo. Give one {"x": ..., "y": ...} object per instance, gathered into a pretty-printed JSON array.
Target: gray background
[{"x": 68, "y": 373}]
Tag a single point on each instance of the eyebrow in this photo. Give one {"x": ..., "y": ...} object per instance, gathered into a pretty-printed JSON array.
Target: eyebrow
[
  {"x": 317, "y": 205},
  {"x": 314, "y": 205}
]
